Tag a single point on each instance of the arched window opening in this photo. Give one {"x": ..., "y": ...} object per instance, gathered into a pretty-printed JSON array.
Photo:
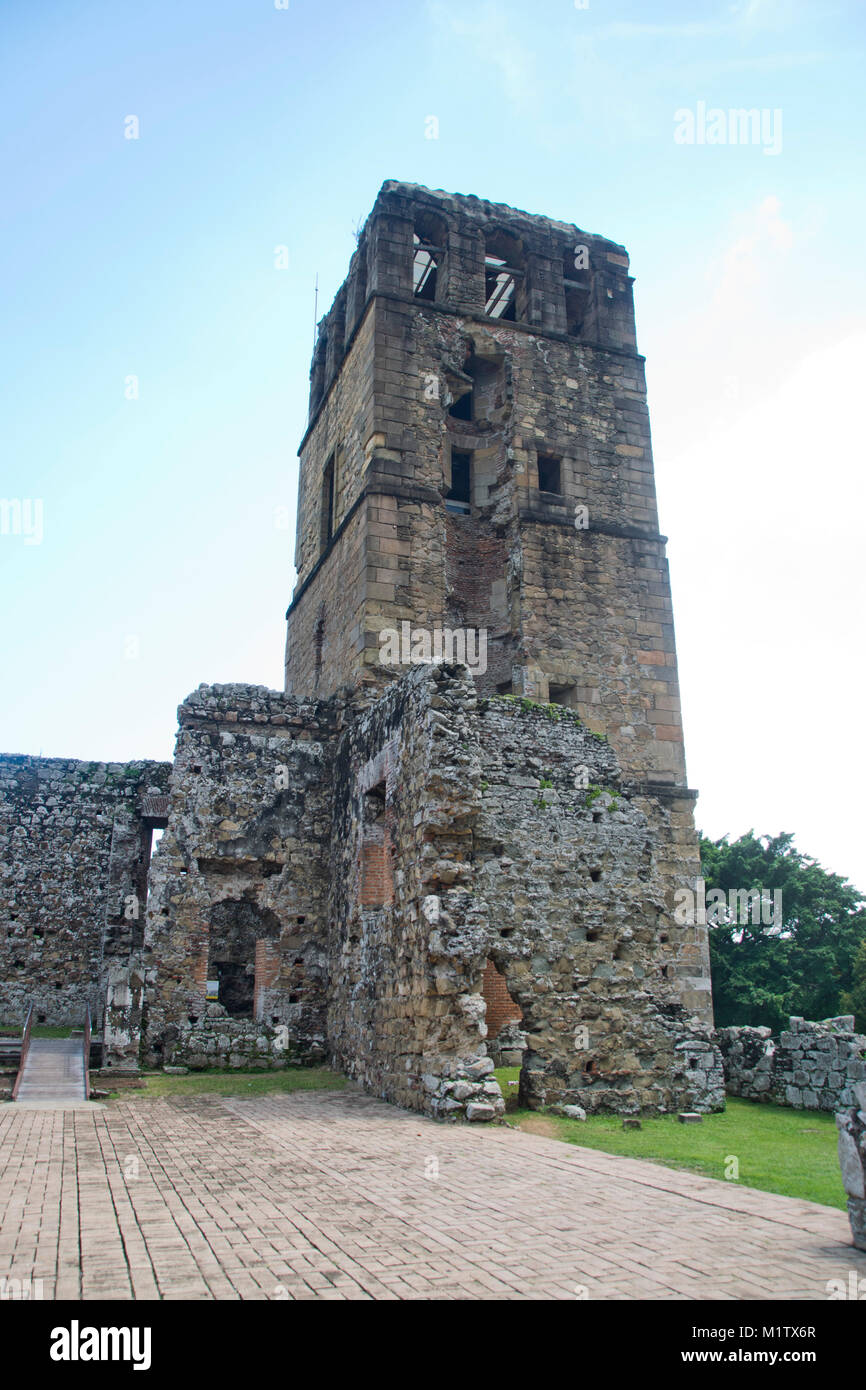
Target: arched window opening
[{"x": 428, "y": 256}]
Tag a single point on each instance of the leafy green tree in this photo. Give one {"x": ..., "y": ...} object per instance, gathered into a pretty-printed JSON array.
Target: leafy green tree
[
  {"x": 802, "y": 965},
  {"x": 854, "y": 1000}
]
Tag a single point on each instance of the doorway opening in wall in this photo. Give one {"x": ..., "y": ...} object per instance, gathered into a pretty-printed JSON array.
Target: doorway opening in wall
[
  {"x": 504, "y": 1019},
  {"x": 457, "y": 498},
  {"x": 235, "y": 986},
  {"x": 377, "y": 870},
  {"x": 241, "y": 935}
]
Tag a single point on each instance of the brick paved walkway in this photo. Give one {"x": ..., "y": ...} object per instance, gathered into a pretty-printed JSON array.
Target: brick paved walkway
[{"x": 335, "y": 1195}]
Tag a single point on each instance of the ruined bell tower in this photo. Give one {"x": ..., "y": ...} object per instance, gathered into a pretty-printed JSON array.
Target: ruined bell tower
[
  {"x": 478, "y": 457},
  {"x": 406, "y": 849}
]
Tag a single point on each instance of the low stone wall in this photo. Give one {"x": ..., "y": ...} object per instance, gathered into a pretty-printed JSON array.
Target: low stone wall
[
  {"x": 810, "y": 1066},
  {"x": 233, "y": 1043}
]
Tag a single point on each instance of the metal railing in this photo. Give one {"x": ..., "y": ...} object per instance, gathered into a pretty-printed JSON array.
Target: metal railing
[
  {"x": 25, "y": 1048},
  {"x": 87, "y": 1029}
]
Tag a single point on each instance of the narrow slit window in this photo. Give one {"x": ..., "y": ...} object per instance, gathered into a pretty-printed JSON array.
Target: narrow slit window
[
  {"x": 328, "y": 502},
  {"x": 457, "y": 498}
]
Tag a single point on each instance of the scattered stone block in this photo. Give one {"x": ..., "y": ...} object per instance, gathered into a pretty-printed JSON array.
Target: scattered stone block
[
  {"x": 477, "y": 1111},
  {"x": 572, "y": 1112}
]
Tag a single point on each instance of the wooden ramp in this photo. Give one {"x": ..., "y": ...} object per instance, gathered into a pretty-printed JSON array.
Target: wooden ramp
[{"x": 53, "y": 1070}]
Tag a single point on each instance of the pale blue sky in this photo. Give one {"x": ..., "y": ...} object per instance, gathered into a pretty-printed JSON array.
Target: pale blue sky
[{"x": 260, "y": 127}]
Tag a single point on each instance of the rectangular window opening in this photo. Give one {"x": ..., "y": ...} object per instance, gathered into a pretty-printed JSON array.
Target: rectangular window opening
[
  {"x": 458, "y": 496},
  {"x": 500, "y": 285},
  {"x": 576, "y": 302},
  {"x": 424, "y": 269},
  {"x": 549, "y": 473}
]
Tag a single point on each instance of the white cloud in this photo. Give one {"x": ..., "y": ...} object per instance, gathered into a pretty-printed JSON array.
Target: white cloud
[
  {"x": 762, "y": 236},
  {"x": 769, "y": 598}
]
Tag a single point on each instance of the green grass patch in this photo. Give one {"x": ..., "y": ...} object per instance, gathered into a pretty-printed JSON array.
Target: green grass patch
[
  {"x": 37, "y": 1030},
  {"x": 508, "y": 1078},
  {"x": 791, "y": 1152},
  {"x": 236, "y": 1083}
]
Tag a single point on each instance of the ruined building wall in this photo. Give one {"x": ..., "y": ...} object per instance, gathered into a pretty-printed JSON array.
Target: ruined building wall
[
  {"x": 569, "y": 892},
  {"x": 573, "y": 890},
  {"x": 406, "y": 1016},
  {"x": 74, "y": 842},
  {"x": 239, "y": 884}
]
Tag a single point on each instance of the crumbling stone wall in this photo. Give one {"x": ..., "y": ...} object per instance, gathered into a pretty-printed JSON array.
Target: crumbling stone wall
[
  {"x": 569, "y": 893},
  {"x": 572, "y": 889},
  {"x": 341, "y": 862},
  {"x": 810, "y": 1066},
  {"x": 406, "y": 1016},
  {"x": 852, "y": 1159},
  {"x": 74, "y": 841},
  {"x": 501, "y": 1008},
  {"x": 239, "y": 884}
]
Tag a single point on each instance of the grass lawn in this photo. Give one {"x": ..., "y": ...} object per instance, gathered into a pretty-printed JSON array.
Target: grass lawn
[
  {"x": 792, "y": 1152},
  {"x": 236, "y": 1083},
  {"x": 38, "y": 1030}
]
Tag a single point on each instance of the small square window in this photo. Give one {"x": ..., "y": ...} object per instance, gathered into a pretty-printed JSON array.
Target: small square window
[
  {"x": 563, "y": 695},
  {"x": 549, "y": 473}
]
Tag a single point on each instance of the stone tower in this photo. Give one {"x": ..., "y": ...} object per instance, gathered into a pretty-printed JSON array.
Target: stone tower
[
  {"x": 414, "y": 844},
  {"x": 478, "y": 458}
]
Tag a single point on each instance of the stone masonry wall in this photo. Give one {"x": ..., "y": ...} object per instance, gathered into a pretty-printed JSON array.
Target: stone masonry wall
[
  {"x": 572, "y": 889},
  {"x": 239, "y": 883},
  {"x": 810, "y": 1066},
  {"x": 852, "y": 1160},
  {"x": 406, "y": 1016},
  {"x": 581, "y": 611},
  {"x": 569, "y": 893},
  {"x": 73, "y": 844}
]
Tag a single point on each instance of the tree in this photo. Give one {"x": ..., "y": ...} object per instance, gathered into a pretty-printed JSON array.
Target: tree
[
  {"x": 801, "y": 965},
  {"x": 854, "y": 1000}
]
